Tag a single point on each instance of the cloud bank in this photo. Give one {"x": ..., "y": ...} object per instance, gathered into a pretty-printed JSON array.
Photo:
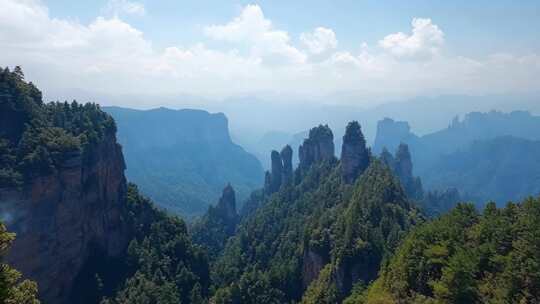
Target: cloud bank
[
  {"x": 111, "y": 56},
  {"x": 424, "y": 42}
]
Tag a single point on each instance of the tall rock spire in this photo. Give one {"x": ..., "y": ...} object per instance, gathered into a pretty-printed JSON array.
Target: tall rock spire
[
  {"x": 218, "y": 224},
  {"x": 227, "y": 204},
  {"x": 354, "y": 153},
  {"x": 317, "y": 147},
  {"x": 403, "y": 160},
  {"x": 267, "y": 182},
  {"x": 286, "y": 157},
  {"x": 402, "y": 166},
  {"x": 277, "y": 171},
  {"x": 387, "y": 158}
]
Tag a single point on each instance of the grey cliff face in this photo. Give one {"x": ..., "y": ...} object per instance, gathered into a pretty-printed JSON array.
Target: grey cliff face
[
  {"x": 390, "y": 134},
  {"x": 277, "y": 171},
  {"x": 282, "y": 170},
  {"x": 57, "y": 218}
]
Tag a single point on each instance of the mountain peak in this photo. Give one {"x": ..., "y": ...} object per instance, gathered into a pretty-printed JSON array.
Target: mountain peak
[
  {"x": 354, "y": 153},
  {"x": 317, "y": 147}
]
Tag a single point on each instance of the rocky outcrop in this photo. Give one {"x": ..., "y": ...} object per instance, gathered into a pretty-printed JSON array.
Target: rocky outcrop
[
  {"x": 317, "y": 147},
  {"x": 58, "y": 218},
  {"x": 354, "y": 153},
  {"x": 226, "y": 206},
  {"x": 403, "y": 162},
  {"x": 214, "y": 229},
  {"x": 267, "y": 182},
  {"x": 277, "y": 171},
  {"x": 286, "y": 156},
  {"x": 402, "y": 166},
  {"x": 352, "y": 271},
  {"x": 312, "y": 264},
  {"x": 387, "y": 158},
  {"x": 391, "y": 133},
  {"x": 282, "y": 170}
]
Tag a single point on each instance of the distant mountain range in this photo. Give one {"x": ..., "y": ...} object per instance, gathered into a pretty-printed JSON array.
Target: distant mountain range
[
  {"x": 256, "y": 123},
  {"x": 182, "y": 159},
  {"x": 498, "y": 169},
  {"x": 486, "y": 156}
]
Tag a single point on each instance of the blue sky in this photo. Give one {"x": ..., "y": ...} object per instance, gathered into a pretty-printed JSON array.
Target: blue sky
[
  {"x": 474, "y": 28},
  {"x": 218, "y": 49}
]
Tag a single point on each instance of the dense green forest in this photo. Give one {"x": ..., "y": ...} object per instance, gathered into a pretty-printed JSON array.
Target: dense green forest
[
  {"x": 160, "y": 265},
  {"x": 466, "y": 257},
  {"x": 317, "y": 221},
  {"x": 36, "y": 137},
  {"x": 163, "y": 265},
  {"x": 218, "y": 224}
]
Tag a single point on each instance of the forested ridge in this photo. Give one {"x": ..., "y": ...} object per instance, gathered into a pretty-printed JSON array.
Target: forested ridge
[
  {"x": 36, "y": 138},
  {"x": 41, "y": 140},
  {"x": 466, "y": 257},
  {"x": 162, "y": 265}
]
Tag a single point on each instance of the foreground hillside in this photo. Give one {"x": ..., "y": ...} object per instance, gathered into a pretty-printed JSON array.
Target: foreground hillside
[
  {"x": 183, "y": 158},
  {"x": 466, "y": 257}
]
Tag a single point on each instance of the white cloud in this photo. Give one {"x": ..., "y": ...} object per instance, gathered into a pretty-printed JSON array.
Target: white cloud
[
  {"x": 251, "y": 26},
  {"x": 117, "y": 7},
  {"x": 424, "y": 42},
  {"x": 320, "y": 40},
  {"x": 109, "y": 55}
]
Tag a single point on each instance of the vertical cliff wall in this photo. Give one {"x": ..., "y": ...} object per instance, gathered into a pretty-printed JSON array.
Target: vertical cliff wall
[{"x": 59, "y": 217}]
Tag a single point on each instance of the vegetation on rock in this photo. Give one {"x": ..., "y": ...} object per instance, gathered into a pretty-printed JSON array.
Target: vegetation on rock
[
  {"x": 37, "y": 138},
  {"x": 13, "y": 288}
]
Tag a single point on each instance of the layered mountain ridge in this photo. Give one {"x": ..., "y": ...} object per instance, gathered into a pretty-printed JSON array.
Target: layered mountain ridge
[
  {"x": 183, "y": 158},
  {"x": 486, "y": 156}
]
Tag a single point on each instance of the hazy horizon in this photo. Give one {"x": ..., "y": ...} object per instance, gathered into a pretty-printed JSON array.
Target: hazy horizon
[{"x": 146, "y": 54}]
